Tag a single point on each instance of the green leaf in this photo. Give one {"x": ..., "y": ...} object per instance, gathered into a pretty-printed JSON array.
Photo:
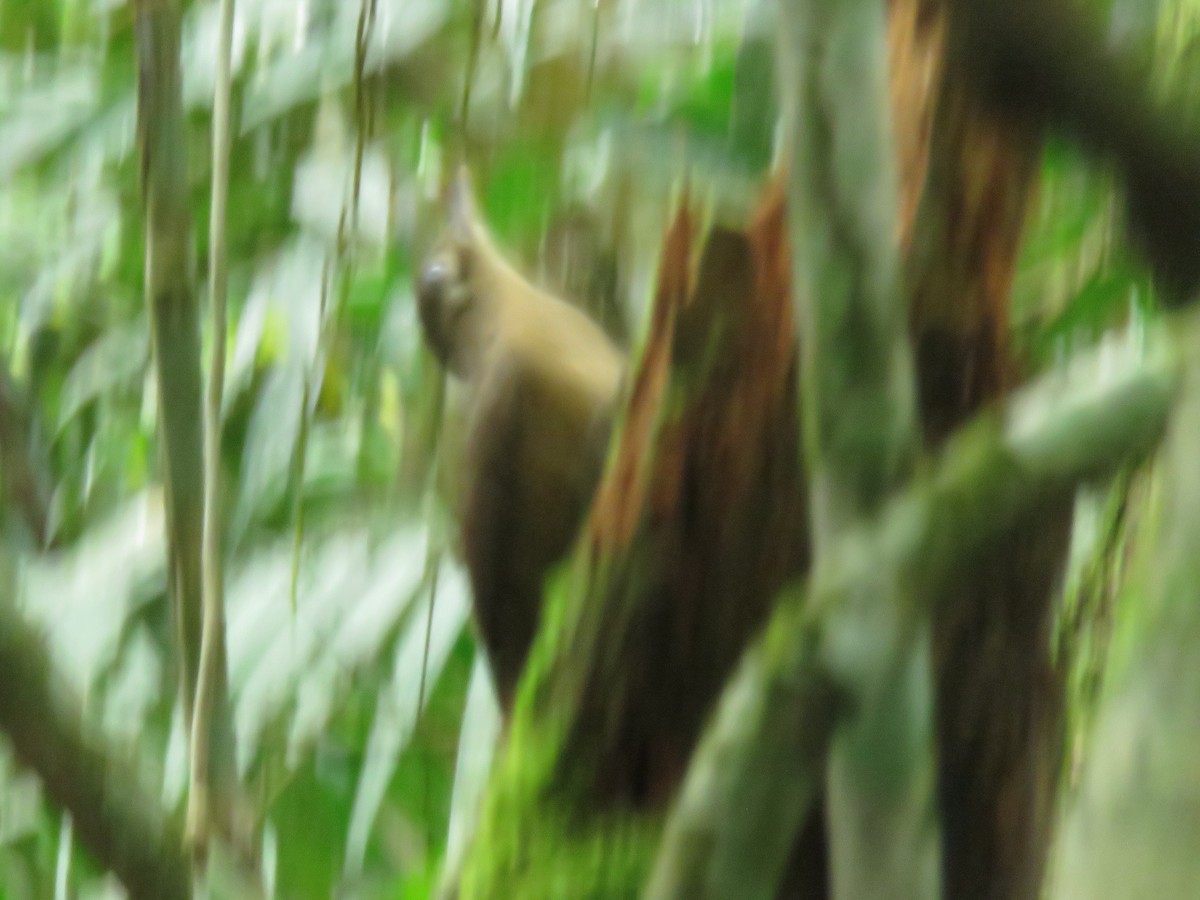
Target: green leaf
[
  {"x": 115, "y": 361},
  {"x": 398, "y": 705}
]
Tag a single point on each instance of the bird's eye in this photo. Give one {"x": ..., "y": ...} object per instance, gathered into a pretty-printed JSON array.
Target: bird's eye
[{"x": 434, "y": 281}]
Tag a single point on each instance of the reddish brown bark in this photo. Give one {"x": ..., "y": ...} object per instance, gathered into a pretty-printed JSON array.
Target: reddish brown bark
[
  {"x": 701, "y": 517},
  {"x": 999, "y": 698}
]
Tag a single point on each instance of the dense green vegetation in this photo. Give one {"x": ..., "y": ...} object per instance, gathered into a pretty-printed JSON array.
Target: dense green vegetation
[{"x": 363, "y": 716}]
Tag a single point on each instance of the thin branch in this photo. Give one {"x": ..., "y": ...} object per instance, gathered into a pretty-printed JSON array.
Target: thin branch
[
  {"x": 336, "y": 259},
  {"x": 363, "y": 110},
  {"x": 113, "y": 815}
]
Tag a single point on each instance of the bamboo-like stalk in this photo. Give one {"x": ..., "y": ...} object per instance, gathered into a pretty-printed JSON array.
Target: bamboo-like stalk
[
  {"x": 175, "y": 327},
  {"x": 210, "y": 678},
  {"x": 174, "y": 316}
]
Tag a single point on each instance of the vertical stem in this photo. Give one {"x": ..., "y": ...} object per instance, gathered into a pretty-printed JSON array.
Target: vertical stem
[
  {"x": 363, "y": 110},
  {"x": 174, "y": 316},
  {"x": 212, "y": 649},
  {"x": 347, "y": 225}
]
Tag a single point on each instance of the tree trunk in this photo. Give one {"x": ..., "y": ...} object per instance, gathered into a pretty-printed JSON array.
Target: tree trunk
[
  {"x": 699, "y": 521},
  {"x": 999, "y": 697},
  {"x": 702, "y": 518}
]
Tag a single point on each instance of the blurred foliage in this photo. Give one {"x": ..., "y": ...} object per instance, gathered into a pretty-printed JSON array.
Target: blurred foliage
[{"x": 349, "y": 706}]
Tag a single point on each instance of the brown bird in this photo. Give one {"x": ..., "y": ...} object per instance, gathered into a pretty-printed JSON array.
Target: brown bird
[{"x": 541, "y": 381}]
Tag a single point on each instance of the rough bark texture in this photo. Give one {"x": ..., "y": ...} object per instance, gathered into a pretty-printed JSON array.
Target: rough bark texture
[
  {"x": 701, "y": 518},
  {"x": 698, "y": 522},
  {"x": 999, "y": 698},
  {"x": 606, "y": 682}
]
